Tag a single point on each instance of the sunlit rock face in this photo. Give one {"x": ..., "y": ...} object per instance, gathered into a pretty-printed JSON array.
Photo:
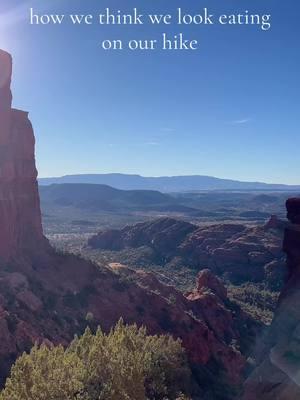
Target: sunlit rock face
[
  {"x": 5, "y": 97},
  {"x": 6, "y": 69},
  {"x": 20, "y": 216}
]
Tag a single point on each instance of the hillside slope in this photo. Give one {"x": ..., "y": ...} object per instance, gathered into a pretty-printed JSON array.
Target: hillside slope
[{"x": 93, "y": 197}]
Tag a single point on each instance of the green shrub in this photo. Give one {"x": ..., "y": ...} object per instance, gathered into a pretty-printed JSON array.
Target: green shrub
[{"x": 125, "y": 364}]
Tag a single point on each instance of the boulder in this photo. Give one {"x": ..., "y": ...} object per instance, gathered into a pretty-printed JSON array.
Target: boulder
[{"x": 207, "y": 280}]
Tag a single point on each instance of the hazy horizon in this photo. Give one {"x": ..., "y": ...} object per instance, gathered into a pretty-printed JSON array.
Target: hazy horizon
[{"x": 162, "y": 176}]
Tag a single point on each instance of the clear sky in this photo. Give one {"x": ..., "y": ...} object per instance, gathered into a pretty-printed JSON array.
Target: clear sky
[{"x": 230, "y": 109}]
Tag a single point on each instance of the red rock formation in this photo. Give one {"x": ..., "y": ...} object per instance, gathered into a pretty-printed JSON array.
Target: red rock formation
[
  {"x": 277, "y": 376},
  {"x": 207, "y": 306},
  {"x": 20, "y": 217},
  {"x": 241, "y": 253},
  {"x": 162, "y": 234},
  {"x": 5, "y": 95},
  {"x": 207, "y": 280}
]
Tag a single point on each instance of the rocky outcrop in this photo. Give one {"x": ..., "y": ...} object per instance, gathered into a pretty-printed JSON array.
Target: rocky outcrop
[
  {"x": 207, "y": 280},
  {"x": 238, "y": 252},
  {"x": 277, "y": 376},
  {"x": 207, "y": 304},
  {"x": 163, "y": 235},
  {"x": 209, "y": 298},
  {"x": 20, "y": 217},
  {"x": 5, "y": 93}
]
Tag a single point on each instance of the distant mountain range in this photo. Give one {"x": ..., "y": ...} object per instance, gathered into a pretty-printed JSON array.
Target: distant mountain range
[
  {"x": 72, "y": 198},
  {"x": 167, "y": 184},
  {"x": 94, "y": 197}
]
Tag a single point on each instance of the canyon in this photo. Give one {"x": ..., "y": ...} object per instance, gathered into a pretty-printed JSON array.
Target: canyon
[{"x": 46, "y": 296}]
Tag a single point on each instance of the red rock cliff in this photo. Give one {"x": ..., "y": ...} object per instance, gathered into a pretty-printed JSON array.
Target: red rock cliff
[{"x": 20, "y": 216}]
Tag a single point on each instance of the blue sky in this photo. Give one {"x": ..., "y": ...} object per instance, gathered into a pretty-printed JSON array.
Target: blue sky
[{"x": 229, "y": 109}]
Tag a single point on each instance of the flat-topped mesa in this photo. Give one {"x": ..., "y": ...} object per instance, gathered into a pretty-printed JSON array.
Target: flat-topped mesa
[{"x": 20, "y": 215}]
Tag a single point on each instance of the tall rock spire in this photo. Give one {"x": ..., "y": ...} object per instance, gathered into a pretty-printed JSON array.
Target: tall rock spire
[
  {"x": 20, "y": 215},
  {"x": 5, "y": 95}
]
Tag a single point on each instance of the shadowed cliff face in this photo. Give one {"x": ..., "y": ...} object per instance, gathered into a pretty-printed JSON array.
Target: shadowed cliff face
[
  {"x": 278, "y": 375},
  {"x": 20, "y": 216}
]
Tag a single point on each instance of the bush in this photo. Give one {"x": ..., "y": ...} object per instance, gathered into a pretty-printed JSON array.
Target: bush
[{"x": 126, "y": 364}]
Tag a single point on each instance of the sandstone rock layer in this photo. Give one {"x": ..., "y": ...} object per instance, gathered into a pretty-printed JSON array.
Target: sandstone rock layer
[{"x": 20, "y": 216}]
